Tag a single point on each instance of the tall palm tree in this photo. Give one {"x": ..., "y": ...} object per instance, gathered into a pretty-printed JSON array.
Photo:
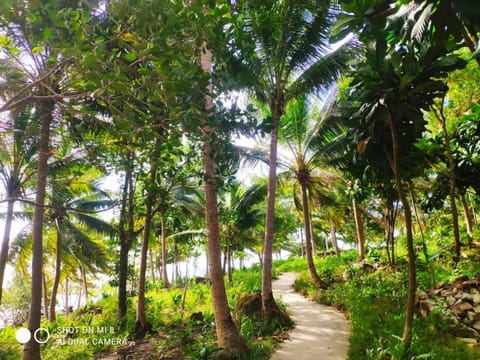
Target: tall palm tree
[
  {"x": 74, "y": 202},
  {"x": 17, "y": 169},
  {"x": 284, "y": 52}
]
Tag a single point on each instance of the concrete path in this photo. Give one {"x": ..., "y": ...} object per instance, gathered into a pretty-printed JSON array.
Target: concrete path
[{"x": 320, "y": 333}]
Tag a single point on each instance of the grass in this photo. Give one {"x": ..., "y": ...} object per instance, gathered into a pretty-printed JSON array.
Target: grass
[{"x": 375, "y": 305}]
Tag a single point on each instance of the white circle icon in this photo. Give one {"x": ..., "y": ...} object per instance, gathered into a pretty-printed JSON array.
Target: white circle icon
[
  {"x": 41, "y": 331},
  {"x": 23, "y": 335}
]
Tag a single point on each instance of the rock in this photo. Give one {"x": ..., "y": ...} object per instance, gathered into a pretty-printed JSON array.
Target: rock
[
  {"x": 450, "y": 300},
  {"x": 347, "y": 275},
  {"x": 461, "y": 308},
  {"x": 425, "y": 307},
  {"x": 458, "y": 282},
  {"x": 469, "y": 284},
  {"x": 422, "y": 295},
  {"x": 473, "y": 316},
  {"x": 364, "y": 266},
  {"x": 476, "y": 308},
  {"x": 476, "y": 325},
  {"x": 476, "y": 299},
  {"x": 197, "y": 317},
  {"x": 474, "y": 291}
]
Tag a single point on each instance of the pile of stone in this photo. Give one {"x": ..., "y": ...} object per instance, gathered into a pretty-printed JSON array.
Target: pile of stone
[{"x": 459, "y": 302}]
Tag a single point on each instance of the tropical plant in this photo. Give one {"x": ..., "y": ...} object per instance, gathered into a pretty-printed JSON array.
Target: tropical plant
[{"x": 282, "y": 51}]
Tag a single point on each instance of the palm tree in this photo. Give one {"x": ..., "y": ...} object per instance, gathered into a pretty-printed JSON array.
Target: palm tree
[
  {"x": 240, "y": 210},
  {"x": 306, "y": 136},
  {"x": 74, "y": 201},
  {"x": 17, "y": 169},
  {"x": 284, "y": 53},
  {"x": 228, "y": 336}
]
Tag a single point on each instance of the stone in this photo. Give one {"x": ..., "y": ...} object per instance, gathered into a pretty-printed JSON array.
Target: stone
[
  {"x": 476, "y": 325},
  {"x": 461, "y": 308}
]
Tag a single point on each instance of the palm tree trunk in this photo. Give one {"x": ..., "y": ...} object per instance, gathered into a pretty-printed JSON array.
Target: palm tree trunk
[
  {"x": 163, "y": 226},
  {"x": 359, "y": 229},
  {"x": 142, "y": 326},
  {"x": 451, "y": 194},
  {"x": 228, "y": 337},
  {"x": 85, "y": 283},
  {"x": 45, "y": 295},
  {"x": 268, "y": 302},
  {"x": 308, "y": 239},
  {"x": 67, "y": 298},
  {"x": 229, "y": 262},
  {"x": 124, "y": 243},
  {"x": 58, "y": 269},
  {"x": 333, "y": 232},
  {"x": 468, "y": 219},
  {"x": 31, "y": 350},
  {"x": 412, "y": 276},
  {"x": 5, "y": 242}
]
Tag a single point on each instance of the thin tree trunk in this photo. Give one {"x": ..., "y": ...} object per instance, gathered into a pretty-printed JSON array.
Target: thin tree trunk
[
  {"x": 45, "y": 295},
  {"x": 333, "y": 232},
  {"x": 124, "y": 243},
  {"x": 31, "y": 350},
  {"x": 412, "y": 277},
  {"x": 312, "y": 237},
  {"x": 308, "y": 240},
  {"x": 359, "y": 229},
  {"x": 468, "y": 219},
  {"x": 472, "y": 206},
  {"x": 152, "y": 267},
  {"x": 451, "y": 193},
  {"x": 228, "y": 337},
  {"x": 163, "y": 226},
  {"x": 302, "y": 247},
  {"x": 85, "y": 283},
  {"x": 268, "y": 302},
  {"x": 67, "y": 300},
  {"x": 79, "y": 297},
  {"x": 229, "y": 261},
  {"x": 142, "y": 326},
  {"x": 58, "y": 270},
  {"x": 5, "y": 242}
]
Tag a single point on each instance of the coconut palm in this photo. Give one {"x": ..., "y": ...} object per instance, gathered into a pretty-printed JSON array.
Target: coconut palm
[
  {"x": 283, "y": 52},
  {"x": 74, "y": 202},
  {"x": 17, "y": 168},
  {"x": 240, "y": 210}
]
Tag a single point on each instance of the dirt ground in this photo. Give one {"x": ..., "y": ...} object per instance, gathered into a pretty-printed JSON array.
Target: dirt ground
[{"x": 320, "y": 332}]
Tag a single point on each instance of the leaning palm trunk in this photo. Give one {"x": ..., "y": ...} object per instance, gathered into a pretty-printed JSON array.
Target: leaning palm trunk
[
  {"x": 228, "y": 337},
  {"x": 308, "y": 239},
  {"x": 333, "y": 232},
  {"x": 5, "y": 242},
  {"x": 468, "y": 219},
  {"x": 359, "y": 229},
  {"x": 31, "y": 350},
  {"x": 412, "y": 276},
  {"x": 163, "y": 226},
  {"x": 58, "y": 269}
]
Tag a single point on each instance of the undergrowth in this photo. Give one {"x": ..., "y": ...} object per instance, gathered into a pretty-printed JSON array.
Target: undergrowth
[{"x": 375, "y": 306}]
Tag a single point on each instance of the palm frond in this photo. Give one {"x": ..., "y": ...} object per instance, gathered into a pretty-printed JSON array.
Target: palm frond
[{"x": 320, "y": 75}]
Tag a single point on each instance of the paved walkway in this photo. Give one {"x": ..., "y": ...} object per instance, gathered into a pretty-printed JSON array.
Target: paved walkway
[{"x": 320, "y": 333}]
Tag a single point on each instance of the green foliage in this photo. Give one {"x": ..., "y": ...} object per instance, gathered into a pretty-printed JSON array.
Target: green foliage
[
  {"x": 375, "y": 306},
  {"x": 10, "y": 349}
]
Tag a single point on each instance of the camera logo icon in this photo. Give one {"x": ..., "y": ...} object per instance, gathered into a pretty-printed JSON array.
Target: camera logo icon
[{"x": 41, "y": 335}]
